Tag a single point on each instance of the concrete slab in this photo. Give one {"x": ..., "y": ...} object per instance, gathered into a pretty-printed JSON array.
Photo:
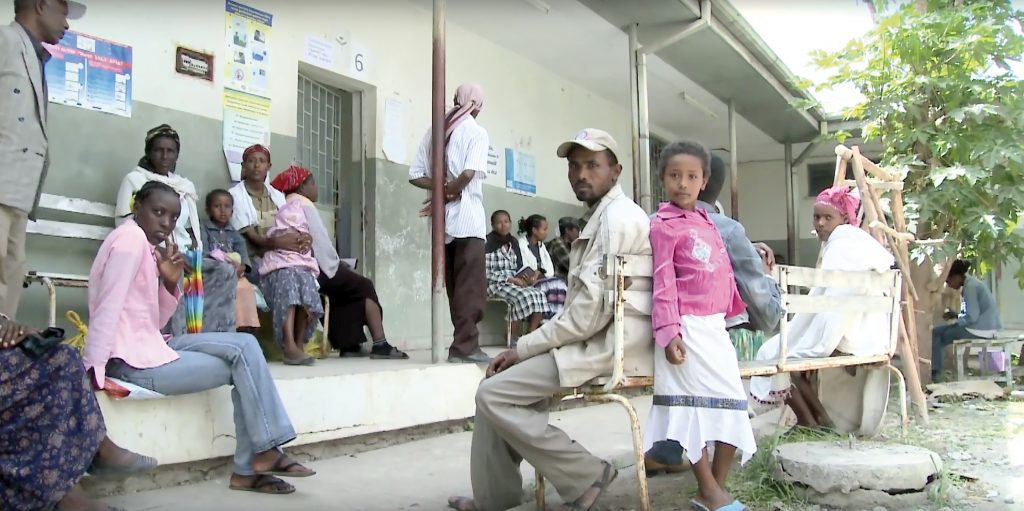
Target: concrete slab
[
  {"x": 835, "y": 471},
  {"x": 334, "y": 399},
  {"x": 418, "y": 475}
]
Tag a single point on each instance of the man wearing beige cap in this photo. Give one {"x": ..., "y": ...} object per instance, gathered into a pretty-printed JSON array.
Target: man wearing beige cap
[
  {"x": 571, "y": 349},
  {"x": 24, "y": 155}
]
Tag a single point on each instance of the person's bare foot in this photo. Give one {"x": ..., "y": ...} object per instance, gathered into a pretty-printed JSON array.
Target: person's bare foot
[
  {"x": 293, "y": 353},
  {"x": 113, "y": 459},
  {"x": 76, "y": 500},
  {"x": 462, "y": 503},
  {"x": 589, "y": 497}
]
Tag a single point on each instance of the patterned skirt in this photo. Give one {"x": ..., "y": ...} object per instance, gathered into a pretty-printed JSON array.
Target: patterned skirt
[
  {"x": 746, "y": 342},
  {"x": 522, "y": 301},
  {"x": 50, "y": 426},
  {"x": 290, "y": 287}
]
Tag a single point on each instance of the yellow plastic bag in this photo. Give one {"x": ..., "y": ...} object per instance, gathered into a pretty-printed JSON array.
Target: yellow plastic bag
[{"x": 78, "y": 340}]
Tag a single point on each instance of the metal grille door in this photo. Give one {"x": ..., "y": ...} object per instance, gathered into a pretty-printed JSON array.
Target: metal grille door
[{"x": 319, "y": 137}]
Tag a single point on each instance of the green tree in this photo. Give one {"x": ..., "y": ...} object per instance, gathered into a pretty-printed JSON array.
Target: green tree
[{"x": 941, "y": 96}]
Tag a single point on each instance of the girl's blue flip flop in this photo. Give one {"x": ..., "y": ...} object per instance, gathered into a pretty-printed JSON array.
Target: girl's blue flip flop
[{"x": 735, "y": 506}]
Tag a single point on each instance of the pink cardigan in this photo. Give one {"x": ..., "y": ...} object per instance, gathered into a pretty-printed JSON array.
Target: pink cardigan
[{"x": 127, "y": 305}]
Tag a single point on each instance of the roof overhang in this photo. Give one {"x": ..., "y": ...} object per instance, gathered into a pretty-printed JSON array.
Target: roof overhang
[{"x": 722, "y": 54}]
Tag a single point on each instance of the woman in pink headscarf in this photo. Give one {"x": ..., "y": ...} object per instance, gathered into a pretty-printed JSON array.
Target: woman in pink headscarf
[{"x": 848, "y": 403}]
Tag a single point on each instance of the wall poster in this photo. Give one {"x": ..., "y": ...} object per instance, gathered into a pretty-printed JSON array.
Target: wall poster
[
  {"x": 91, "y": 73},
  {"x": 247, "y": 61}
]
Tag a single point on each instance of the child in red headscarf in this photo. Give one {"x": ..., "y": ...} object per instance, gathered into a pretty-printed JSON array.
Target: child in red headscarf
[{"x": 289, "y": 278}]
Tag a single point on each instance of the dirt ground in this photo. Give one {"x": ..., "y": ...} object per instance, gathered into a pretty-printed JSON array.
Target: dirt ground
[{"x": 981, "y": 443}]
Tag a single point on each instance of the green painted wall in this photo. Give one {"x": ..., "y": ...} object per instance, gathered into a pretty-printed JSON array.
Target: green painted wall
[
  {"x": 401, "y": 268},
  {"x": 91, "y": 152}
]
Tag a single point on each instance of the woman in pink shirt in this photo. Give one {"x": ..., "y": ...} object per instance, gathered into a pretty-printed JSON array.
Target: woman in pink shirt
[
  {"x": 133, "y": 292},
  {"x": 698, "y": 395}
]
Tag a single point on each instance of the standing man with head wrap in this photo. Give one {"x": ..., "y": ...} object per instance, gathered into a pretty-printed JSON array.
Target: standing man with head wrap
[{"x": 466, "y": 145}]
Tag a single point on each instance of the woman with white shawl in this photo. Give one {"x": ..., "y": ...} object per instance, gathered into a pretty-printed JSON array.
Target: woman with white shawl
[
  {"x": 159, "y": 163},
  {"x": 848, "y": 401}
]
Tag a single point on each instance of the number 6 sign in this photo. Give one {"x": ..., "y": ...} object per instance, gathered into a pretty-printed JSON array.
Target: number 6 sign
[{"x": 359, "y": 65}]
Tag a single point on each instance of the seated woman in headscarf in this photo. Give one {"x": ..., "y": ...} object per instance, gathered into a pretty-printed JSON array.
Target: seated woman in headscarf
[
  {"x": 51, "y": 426},
  {"x": 134, "y": 288},
  {"x": 847, "y": 402},
  {"x": 533, "y": 231},
  {"x": 159, "y": 163},
  {"x": 508, "y": 278},
  {"x": 255, "y": 210}
]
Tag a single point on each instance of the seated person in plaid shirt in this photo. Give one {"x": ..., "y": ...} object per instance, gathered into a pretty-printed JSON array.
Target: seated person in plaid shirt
[
  {"x": 558, "y": 248},
  {"x": 506, "y": 280}
]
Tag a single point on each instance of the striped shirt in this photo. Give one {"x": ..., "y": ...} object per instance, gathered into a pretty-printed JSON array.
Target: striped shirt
[{"x": 467, "y": 149}]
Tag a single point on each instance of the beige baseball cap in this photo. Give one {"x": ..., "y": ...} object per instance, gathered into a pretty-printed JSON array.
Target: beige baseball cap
[
  {"x": 589, "y": 138},
  {"x": 75, "y": 10}
]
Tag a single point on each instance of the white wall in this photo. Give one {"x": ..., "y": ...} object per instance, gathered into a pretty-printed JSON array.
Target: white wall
[{"x": 527, "y": 107}]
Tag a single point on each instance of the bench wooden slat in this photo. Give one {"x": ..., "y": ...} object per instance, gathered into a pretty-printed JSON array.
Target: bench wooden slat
[
  {"x": 73, "y": 205},
  {"x": 812, "y": 277},
  {"x": 59, "y": 279},
  {"x": 68, "y": 230},
  {"x": 795, "y": 304}
]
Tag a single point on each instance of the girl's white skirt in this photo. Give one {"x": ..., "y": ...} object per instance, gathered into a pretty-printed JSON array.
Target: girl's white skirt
[{"x": 703, "y": 400}]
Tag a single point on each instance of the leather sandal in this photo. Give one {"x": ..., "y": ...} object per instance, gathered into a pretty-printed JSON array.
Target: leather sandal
[
  {"x": 601, "y": 485},
  {"x": 281, "y": 468},
  {"x": 266, "y": 484}
]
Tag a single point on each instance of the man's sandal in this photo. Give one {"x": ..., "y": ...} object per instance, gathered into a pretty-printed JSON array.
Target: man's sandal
[
  {"x": 281, "y": 469},
  {"x": 601, "y": 485},
  {"x": 266, "y": 484}
]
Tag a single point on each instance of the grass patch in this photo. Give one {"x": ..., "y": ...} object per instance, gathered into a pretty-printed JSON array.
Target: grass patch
[{"x": 756, "y": 485}]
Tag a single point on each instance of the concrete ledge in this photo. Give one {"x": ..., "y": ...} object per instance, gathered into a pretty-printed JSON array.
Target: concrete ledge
[{"x": 335, "y": 399}]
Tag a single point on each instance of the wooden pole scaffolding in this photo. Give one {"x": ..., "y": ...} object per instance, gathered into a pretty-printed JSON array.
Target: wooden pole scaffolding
[{"x": 871, "y": 189}]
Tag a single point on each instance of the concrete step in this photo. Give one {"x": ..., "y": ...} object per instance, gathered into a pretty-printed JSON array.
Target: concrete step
[{"x": 419, "y": 475}]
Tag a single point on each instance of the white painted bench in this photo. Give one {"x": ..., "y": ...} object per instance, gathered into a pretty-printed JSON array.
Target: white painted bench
[
  {"x": 639, "y": 269},
  {"x": 70, "y": 230},
  {"x": 1003, "y": 341}
]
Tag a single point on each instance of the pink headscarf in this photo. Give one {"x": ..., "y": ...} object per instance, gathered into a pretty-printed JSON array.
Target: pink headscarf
[
  {"x": 469, "y": 98},
  {"x": 843, "y": 200}
]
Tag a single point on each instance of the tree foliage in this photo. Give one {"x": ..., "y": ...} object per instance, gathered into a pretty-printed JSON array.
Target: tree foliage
[{"x": 941, "y": 95}]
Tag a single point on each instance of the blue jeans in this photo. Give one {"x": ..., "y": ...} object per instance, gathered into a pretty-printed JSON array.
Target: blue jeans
[
  {"x": 210, "y": 360},
  {"x": 942, "y": 336}
]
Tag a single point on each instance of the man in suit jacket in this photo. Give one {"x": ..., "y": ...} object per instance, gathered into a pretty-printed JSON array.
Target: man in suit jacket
[{"x": 24, "y": 155}]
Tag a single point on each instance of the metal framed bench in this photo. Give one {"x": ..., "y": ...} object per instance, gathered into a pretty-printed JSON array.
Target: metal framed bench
[
  {"x": 618, "y": 269},
  {"x": 508, "y": 320},
  {"x": 70, "y": 230},
  {"x": 1002, "y": 342}
]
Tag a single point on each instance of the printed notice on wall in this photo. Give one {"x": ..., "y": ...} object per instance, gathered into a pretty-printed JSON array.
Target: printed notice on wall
[
  {"x": 492, "y": 161},
  {"x": 246, "y": 122},
  {"x": 320, "y": 52},
  {"x": 91, "y": 73},
  {"x": 247, "y": 62},
  {"x": 520, "y": 173},
  {"x": 394, "y": 131}
]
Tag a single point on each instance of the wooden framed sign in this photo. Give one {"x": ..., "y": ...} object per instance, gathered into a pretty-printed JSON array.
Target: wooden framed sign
[{"x": 193, "y": 63}]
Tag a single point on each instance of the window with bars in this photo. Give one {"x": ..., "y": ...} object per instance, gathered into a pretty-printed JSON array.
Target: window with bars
[{"x": 319, "y": 136}]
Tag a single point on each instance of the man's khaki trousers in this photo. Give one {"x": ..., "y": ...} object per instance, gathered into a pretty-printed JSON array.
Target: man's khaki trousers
[
  {"x": 512, "y": 411},
  {"x": 13, "y": 222}
]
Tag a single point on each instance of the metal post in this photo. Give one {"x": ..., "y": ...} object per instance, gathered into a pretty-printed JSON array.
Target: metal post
[
  {"x": 734, "y": 185},
  {"x": 791, "y": 234},
  {"x": 634, "y": 103},
  {"x": 437, "y": 173},
  {"x": 645, "y": 132}
]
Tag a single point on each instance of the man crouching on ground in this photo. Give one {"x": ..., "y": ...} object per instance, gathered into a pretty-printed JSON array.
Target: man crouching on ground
[{"x": 512, "y": 404}]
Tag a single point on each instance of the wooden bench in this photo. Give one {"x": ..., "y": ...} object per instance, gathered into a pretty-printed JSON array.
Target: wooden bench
[
  {"x": 618, "y": 269},
  {"x": 1003, "y": 341},
  {"x": 68, "y": 230}
]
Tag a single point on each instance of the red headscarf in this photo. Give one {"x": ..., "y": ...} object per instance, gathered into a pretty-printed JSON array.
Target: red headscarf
[
  {"x": 257, "y": 148},
  {"x": 843, "y": 200},
  {"x": 291, "y": 179}
]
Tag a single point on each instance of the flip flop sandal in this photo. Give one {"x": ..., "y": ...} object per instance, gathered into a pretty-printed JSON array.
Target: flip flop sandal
[
  {"x": 308, "y": 361},
  {"x": 734, "y": 506},
  {"x": 141, "y": 464},
  {"x": 601, "y": 484},
  {"x": 279, "y": 468},
  {"x": 392, "y": 354},
  {"x": 462, "y": 504},
  {"x": 266, "y": 484}
]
